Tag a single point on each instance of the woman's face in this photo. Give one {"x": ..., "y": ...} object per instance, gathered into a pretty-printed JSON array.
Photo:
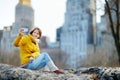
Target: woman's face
[{"x": 36, "y": 34}]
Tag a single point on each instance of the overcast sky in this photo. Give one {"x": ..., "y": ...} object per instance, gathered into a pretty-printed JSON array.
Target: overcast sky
[{"x": 49, "y": 15}]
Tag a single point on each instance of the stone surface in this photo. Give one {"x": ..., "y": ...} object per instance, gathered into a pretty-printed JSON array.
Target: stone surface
[{"x": 9, "y": 72}]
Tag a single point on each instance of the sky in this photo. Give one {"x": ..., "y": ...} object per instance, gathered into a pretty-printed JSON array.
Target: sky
[
  {"x": 48, "y": 15},
  {"x": 100, "y": 9}
]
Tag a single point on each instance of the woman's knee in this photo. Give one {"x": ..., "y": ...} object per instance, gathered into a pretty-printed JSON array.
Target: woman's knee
[
  {"x": 46, "y": 54},
  {"x": 36, "y": 66},
  {"x": 47, "y": 57},
  {"x": 31, "y": 66}
]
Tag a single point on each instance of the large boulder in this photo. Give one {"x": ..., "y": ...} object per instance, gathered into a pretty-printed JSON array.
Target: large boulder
[{"x": 9, "y": 72}]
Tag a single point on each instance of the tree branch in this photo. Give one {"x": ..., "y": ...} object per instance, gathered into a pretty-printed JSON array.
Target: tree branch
[
  {"x": 117, "y": 15},
  {"x": 113, "y": 9},
  {"x": 110, "y": 19}
]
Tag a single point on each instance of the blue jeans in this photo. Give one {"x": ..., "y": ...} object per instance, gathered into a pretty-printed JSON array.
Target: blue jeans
[{"x": 39, "y": 62}]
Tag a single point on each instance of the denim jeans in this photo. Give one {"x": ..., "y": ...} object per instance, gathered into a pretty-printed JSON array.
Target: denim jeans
[{"x": 39, "y": 62}]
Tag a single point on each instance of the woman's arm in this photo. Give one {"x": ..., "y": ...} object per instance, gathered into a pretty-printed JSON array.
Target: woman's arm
[
  {"x": 35, "y": 54},
  {"x": 19, "y": 37},
  {"x": 17, "y": 40}
]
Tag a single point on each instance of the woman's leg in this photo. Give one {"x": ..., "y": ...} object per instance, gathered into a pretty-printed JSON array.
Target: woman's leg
[
  {"x": 42, "y": 61},
  {"x": 51, "y": 66},
  {"x": 39, "y": 62},
  {"x": 46, "y": 68}
]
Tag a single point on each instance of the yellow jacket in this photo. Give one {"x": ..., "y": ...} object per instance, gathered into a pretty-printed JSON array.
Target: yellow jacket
[{"x": 28, "y": 47}]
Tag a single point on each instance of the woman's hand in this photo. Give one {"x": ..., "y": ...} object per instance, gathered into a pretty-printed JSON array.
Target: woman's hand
[
  {"x": 31, "y": 59},
  {"x": 21, "y": 31}
]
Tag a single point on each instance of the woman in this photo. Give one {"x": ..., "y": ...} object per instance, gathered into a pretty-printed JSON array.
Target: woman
[{"x": 30, "y": 55}]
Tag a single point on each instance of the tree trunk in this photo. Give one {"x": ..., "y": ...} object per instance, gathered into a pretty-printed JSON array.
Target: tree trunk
[
  {"x": 112, "y": 26},
  {"x": 118, "y": 50}
]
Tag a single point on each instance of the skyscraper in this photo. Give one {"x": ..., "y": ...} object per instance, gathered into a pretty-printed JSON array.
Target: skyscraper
[
  {"x": 77, "y": 31},
  {"x": 24, "y": 17}
]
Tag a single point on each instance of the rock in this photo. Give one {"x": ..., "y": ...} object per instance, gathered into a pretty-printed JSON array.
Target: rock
[
  {"x": 103, "y": 73},
  {"x": 9, "y": 72}
]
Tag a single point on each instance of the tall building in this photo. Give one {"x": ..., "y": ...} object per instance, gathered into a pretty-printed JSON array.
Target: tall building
[
  {"x": 1, "y": 33},
  {"x": 77, "y": 30},
  {"x": 58, "y": 34},
  {"x": 24, "y": 17},
  {"x": 43, "y": 42}
]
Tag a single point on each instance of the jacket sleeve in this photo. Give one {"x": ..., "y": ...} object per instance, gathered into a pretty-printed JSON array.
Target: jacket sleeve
[
  {"x": 17, "y": 40},
  {"x": 20, "y": 40},
  {"x": 35, "y": 54}
]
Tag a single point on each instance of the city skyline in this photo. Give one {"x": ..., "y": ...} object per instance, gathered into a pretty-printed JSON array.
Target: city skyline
[{"x": 49, "y": 15}]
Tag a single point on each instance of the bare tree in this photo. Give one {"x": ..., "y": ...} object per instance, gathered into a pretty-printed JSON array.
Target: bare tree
[{"x": 113, "y": 12}]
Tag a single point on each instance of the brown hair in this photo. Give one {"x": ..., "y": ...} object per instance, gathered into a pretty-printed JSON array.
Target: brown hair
[{"x": 40, "y": 32}]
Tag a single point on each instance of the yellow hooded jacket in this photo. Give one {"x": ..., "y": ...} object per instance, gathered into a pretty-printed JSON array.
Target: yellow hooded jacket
[{"x": 28, "y": 47}]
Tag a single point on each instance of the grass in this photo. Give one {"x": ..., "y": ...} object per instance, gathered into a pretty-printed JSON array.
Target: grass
[{"x": 60, "y": 58}]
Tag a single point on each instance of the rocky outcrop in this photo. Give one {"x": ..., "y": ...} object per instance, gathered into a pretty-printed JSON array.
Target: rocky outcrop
[
  {"x": 9, "y": 72},
  {"x": 101, "y": 73}
]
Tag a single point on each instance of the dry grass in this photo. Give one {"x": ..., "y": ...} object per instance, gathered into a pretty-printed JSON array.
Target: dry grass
[
  {"x": 13, "y": 58},
  {"x": 10, "y": 58},
  {"x": 60, "y": 58},
  {"x": 102, "y": 59}
]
